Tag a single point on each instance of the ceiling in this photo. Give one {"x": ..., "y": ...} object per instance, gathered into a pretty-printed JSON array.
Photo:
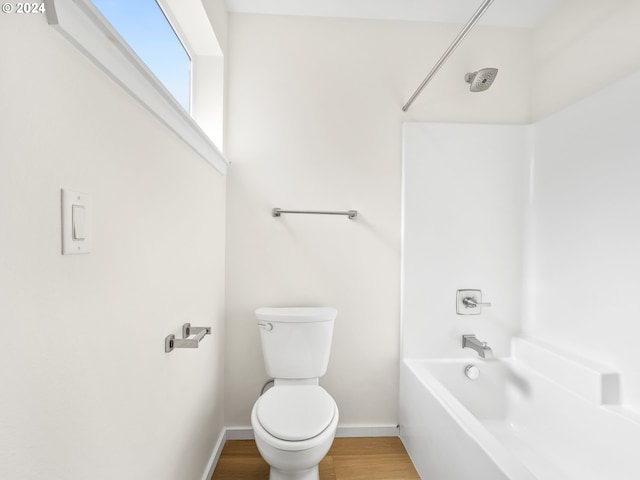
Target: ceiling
[{"x": 513, "y": 13}]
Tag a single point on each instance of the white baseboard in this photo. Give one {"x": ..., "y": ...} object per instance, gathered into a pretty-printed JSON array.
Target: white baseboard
[
  {"x": 246, "y": 433},
  {"x": 215, "y": 455},
  {"x": 240, "y": 433},
  {"x": 368, "y": 431}
]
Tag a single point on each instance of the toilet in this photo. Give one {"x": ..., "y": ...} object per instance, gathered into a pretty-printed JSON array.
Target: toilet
[{"x": 295, "y": 421}]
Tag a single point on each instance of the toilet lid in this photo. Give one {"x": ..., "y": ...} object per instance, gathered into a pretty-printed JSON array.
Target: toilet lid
[{"x": 295, "y": 413}]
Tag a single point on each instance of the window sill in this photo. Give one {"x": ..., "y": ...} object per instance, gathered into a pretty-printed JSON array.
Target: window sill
[{"x": 80, "y": 23}]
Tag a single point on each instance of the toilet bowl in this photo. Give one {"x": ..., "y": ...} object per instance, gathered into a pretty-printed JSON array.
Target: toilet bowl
[
  {"x": 294, "y": 427},
  {"x": 295, "y": 421}
]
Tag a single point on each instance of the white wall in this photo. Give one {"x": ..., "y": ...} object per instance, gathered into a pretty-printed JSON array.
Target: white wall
[
  {"x": 582, "y": 47},
  {"x": 583, "y": 257},
  {"x": 87, "y": 390},
  {"x": 315, "y": 122},
  {"x": 464, "y": 192}
]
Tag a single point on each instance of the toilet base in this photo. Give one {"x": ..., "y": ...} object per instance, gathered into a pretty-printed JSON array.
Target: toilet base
[
  {"x": 309, "y": 474},
  {"x": 293, "y": 460}
]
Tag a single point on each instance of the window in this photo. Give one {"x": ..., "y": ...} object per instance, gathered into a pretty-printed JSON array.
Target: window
[
  {"x": 148, "y": 32},
  {"x": 188, "y": 97}
]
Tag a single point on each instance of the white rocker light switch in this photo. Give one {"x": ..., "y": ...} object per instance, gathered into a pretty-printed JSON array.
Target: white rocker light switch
[{"x": 76, "y": 223}]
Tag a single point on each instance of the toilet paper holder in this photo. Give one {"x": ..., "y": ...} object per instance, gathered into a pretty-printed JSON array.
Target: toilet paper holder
[{"x": 187, "y": 341}]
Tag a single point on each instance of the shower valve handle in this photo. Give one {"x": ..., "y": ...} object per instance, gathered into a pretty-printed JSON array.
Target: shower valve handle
[{"x": 470, "y": 302}]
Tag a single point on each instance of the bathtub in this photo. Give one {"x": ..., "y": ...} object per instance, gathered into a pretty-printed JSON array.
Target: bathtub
[{"x": 516, "y": 421}]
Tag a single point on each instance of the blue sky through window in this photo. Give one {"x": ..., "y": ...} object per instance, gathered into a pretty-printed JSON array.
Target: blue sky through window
[{"x": 144, "y": 27}]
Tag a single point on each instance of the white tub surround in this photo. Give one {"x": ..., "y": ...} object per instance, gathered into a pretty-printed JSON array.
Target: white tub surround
[
  {"x": 464, "y": 189},
  {"x": 581, "y": 257},
  {"x": 595, "y": 383}
]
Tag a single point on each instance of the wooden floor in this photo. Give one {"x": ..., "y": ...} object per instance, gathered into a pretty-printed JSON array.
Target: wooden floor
[{"x": 378, "y": 458}]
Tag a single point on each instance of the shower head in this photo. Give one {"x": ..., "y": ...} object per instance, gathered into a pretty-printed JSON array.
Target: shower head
[{"x": 482, "y": 79}]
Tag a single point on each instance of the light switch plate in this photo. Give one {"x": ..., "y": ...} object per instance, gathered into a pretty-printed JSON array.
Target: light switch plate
[{"x": 71, "y": 245}]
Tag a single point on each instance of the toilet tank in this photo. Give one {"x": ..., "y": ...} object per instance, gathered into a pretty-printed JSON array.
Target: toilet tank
[{"x": 296, "y": 341}]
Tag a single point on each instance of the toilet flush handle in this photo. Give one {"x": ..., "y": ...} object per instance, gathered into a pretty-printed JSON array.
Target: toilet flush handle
[{"x": 267, "y": 326}]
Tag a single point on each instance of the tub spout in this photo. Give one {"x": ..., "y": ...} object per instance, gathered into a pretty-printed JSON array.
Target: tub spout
[{"x": 470, "y": 341}]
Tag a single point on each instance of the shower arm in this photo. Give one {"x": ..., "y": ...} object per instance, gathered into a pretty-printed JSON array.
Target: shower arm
[{"x": 463, "y": 33}]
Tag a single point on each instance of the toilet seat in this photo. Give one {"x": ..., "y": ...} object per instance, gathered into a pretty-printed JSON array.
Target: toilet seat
[{"x": 295, "y": 413}]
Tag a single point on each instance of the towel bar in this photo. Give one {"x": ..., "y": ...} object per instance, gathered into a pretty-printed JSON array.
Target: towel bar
[
  {"x": 171, "y": 342},
  {"x": 276, "y": 212}
]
